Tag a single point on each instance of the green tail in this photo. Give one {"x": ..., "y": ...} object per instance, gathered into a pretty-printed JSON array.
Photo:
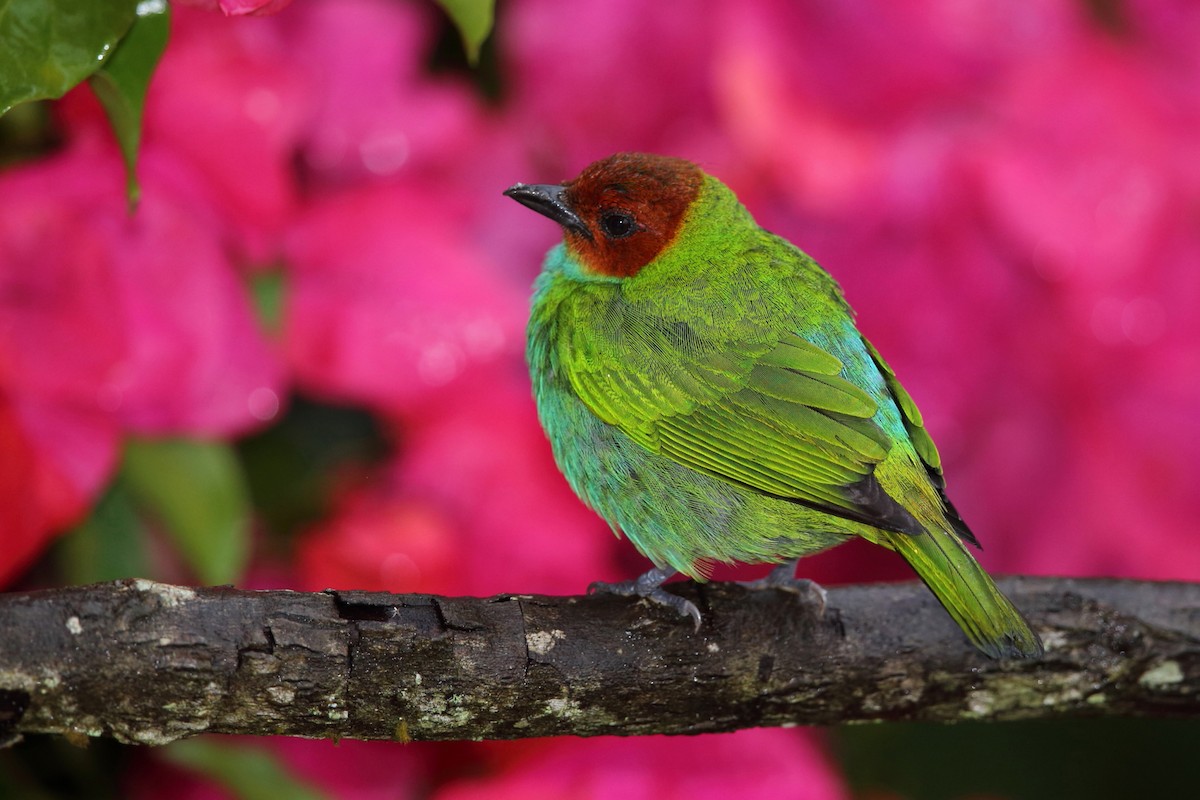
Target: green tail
[{"x": 986, "y": 616}]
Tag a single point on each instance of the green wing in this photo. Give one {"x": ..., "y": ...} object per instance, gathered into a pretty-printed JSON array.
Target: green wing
[
  {"x": 775, "y": 416},
  {"x": 922, "y": 442},
  {"x": 913, "y": 424}
]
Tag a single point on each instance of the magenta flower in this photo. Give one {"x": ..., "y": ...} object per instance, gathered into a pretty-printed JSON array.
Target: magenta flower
[
  {"x": 350, "y": 770},
  {"x": 1090, "y": 186},
  {"x": 389, "y": 303},
  {"x": 112, "y": 323},
  {"x": 377, "y": 114},
  {"x": 58, "y": 347},
  {"x": 345, "y": 770},
  {"x": 234, "y": 8},
  {"x": 608, "y": 85},
  {"x": 228, "y": 105},
  {"x": 479, "y": 453},
  {"x": 380, "y": 540},
  {"x": 472, "y": 505},
  {"x": 53, "y": 461},
  {"x": 750, "y": 764},
  {"x": 1030, "y": 228}
]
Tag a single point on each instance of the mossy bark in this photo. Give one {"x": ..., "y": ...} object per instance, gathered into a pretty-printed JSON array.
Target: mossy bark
[{"x": 149, "y": 663}]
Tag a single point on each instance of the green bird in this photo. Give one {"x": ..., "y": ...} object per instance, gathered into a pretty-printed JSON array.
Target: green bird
[{"x": 705, "y": 390}]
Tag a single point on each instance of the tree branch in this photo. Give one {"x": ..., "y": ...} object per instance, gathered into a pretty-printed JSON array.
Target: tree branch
[{"x": 149, "y": 663}]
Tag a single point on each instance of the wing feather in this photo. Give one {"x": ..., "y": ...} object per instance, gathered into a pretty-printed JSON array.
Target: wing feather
[
  {"x": 774, "y": 415},
  {"x": 913, "y": 423}
]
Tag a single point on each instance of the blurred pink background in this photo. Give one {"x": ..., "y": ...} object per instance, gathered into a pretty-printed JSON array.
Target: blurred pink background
[{"x": 1008, "y": 194}]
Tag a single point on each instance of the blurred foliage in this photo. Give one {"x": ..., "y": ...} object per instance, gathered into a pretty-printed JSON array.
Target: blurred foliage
[
  {"x": 26, "y": 132},
  {"x": 484, "y": 73},
  {"x": 292, "y": 467},
  {"x": 45, "y": 767},
  {"x": 51, "y": 45},
  {"x": 109, "y": 545},
  {"x": 122, "y": 81},
  {"x": 200, "y": 497},
  {"x": 1037, "y": 760},
  {"x": 267, "y": 289},
  {"x": 473, "y": 19},
  {"x": 249, "y": 773},
  {"x": 197, "y": 491}
]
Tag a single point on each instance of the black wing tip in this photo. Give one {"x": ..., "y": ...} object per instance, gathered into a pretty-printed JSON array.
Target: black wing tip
[
  {"x": 876, "y": 507},
  {"x": 956, "y": 521}
]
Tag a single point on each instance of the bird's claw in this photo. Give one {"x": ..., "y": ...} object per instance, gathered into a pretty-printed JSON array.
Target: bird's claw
[
  {"x": 783, "y": 577},
  {"x": 683, "y": 606},
  {"x": 649, "y": 587}
]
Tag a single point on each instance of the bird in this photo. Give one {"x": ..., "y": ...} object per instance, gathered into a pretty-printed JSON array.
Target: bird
[{"x": 706, "y": 391}]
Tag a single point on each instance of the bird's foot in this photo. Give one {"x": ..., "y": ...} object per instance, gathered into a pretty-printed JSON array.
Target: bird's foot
[
  {"x": 648, "y": 585},
  {"x": 783, "y": 577}
]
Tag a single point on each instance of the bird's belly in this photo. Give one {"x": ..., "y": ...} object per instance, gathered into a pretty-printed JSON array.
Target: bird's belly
[{"x": 677, "y": 517}]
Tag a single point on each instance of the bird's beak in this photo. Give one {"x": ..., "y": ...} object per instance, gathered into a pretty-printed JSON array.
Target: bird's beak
[{"x": 549, "y": 200}]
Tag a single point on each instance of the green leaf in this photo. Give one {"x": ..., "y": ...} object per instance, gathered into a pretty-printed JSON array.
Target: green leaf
[
  {"x": 474, "y": 21},
  {"x": 49, "y": 46},
  {"x": 290, "y": 466},
  {"x": 250, "y": 773},
  {"x": 122, "y": 80},
  {"x": 198, "y": 492},
  {"x": 268, "y": 290},
  {"x": 108, "y": 545}
]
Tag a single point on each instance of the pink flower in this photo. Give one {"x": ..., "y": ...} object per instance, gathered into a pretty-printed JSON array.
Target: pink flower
[
  {"x": 58, "y": 346},
  {"x": 111, "y": 323},
  {"x": 350, "y": 770},
  {"x": 380, "y": 540},
  {"x": 874, "y": 61},
  {"x": 53, "y": 461},
  {"x": 390, "y": 303},
  {"x": 747, "y": 764},
  {"x": 234, "y": 8},
  {"x": 473, "y": 504},
  {"x": 586, "y": 83},
  {"x": 346, "y": 770},
  {"x": 229, "y": 107},
  {"x": 830, "y": 104},
  {"x": 481, "y": 455},
  {"x": 1007, "y": 236},
  {"x": 195, "y": 361},
  {"x": 1090, "y": 185},
  {"x": 1169, "y": 30},
  {"x": 377, "y": 113},
  {"x": 380, "y": 117},
  {"x": 1084, "y": 180}
]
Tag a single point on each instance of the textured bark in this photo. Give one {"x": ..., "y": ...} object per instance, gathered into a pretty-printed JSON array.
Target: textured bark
[{"x": 149, "y": 663}]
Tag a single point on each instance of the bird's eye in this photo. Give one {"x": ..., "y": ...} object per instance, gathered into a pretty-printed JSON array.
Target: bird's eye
[{"x": 617, "y": 224}]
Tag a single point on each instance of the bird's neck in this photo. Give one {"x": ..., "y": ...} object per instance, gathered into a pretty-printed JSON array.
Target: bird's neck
[{"x": 713, "y": 239}]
